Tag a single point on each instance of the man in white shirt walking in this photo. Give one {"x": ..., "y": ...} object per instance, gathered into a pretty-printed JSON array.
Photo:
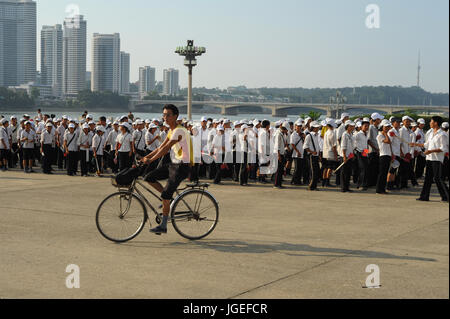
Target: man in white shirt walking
[{"x": 436, "y": 147}]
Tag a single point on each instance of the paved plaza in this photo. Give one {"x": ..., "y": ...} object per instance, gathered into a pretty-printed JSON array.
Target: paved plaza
[{"x": 269, "y": 243}]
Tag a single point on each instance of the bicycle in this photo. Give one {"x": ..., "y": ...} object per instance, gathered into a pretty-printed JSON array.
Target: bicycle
[{"x": 121, "y": 216}]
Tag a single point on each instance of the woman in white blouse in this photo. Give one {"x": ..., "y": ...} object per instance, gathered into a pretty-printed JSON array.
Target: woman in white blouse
[{"x": 124, "y": 146}]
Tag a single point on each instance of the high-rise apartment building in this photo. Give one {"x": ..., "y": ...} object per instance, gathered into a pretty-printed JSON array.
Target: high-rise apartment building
[
  {"x": 74, "y": 55},
  {"x": 170, "y": 82},
  {"x": 124, "y": 72},
  {"x": 51, "y": 58},
  {"x": 105, "y": 62},
  {"x": 17, "y": 42},
  {"x": 147, "y": 81}
]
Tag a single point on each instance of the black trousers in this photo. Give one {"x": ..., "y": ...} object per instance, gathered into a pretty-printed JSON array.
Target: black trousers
[
  {"x": 84, "y": 165},
  {"x": 297, "y": 176},
  {"x": 420, "y": 166},
  {"x": 202, "y": 170},
  {"x": 338, "y": 176},
  {"x": 72, "y": 163},
  {"x": 363, "y": 168},
  {"x": 37, "y": 153},
  {"x": 280, "y": 170},
  {"x": 193, "y": 172},
  {"x": 243, "y": 171},
  {"x": 62, "y": 160},
  {"x": 13, "y": 155},
  {"x": 20, "y": 152},
  {"x": 314, "y": 167},
  {"x": 373, "y": 169},
  {"x": 236, "y": 166},
  {"x": 99, "y": 162},
  {"x": 384, "y": 164},
  {"x": 346, "y": 174},
  {"x": 114, "y": 167},
  {"x": 218, "y": 177},
  {"x": 124, "y": 160},
  {"x": 404, "y": 173},
  {"x": 47, "y": 159},
  {"x": 306, "y": 168},
  {"x": 433, "y": 173},
  {"x": 445, "y": 169},
  {"x": 254, "y": 169},
  {"x": 355, "y": 171},
  {"x": 210, "y": 170},
  {"x": 54, "y": 155}
]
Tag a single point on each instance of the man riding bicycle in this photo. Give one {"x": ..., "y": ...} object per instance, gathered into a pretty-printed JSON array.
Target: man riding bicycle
[{"x": 178, "y": 142}]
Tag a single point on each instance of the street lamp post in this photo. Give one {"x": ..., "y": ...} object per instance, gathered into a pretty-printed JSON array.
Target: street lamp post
[
  {"x": 190, "y": 53},
  {"x": 338, "y": 99}
]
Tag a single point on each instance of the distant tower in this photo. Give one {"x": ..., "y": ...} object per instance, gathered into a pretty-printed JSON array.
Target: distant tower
[{"x": 418, "y": 71}]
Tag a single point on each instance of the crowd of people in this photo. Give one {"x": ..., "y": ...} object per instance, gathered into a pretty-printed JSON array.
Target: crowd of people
[{"x": 386, "y": 154}]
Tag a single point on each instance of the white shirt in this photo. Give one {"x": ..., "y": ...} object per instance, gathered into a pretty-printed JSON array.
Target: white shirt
[
  {"x": 84, "y": 138},
  {"x": 279, "y": 142},
  {"x": 420, "y": 139},
  {"x": 329, "y": 141},
  {"x": 203, "y": 133},
  {"x": 395, "y": 141},
  {"x": 385, "y": 149},
  {"x": 125, "y": 142},
  {"x": 361, "y": 141},
  {"x": 111, "y": 139},
  {"x": 312, "y": 143},
  {"x": 405, "y": 134},
  {"x": 61, "y": 130},
  {"x": 242, "y": 146},
  {"x": 263, "y": 143},
  {"x": 14, "y": 130},
  {"x": 69, "y": 138},
  {"x": 148, "y": 138},
  {"x": 211, "y": 135},
  {"x": 139, "y": 139},
  {"x": 31, "y": 136},
  {"x": 298, "y": 143},
  {"x": 438, "y": 140},
  {"x": 46, "y": 138},
  {"x": 99, "y": 143},
  {"x": 5, "y": 138},
  {"x": 217, "y": 144},
  {"x": 347, "y": 144}
]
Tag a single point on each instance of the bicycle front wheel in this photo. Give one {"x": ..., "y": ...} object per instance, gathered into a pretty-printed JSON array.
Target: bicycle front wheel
[
  {"x": 121, "y": 217},
  {"x": 195, "y": 214}
]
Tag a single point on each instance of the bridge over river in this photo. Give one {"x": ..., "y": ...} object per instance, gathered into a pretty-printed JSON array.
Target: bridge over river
[{"x": 281, "y": 109}]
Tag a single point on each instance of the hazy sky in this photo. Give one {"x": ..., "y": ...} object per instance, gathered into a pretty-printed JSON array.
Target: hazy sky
[{"x": 276, "y": 43}]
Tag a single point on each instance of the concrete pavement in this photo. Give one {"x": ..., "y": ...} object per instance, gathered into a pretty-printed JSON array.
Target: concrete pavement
[{"x": 270, "y": 243}]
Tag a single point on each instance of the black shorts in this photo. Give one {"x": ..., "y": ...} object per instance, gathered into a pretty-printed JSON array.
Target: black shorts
[
  {"x": 28, "y": 154},
  {"x": 330, "y": 164},
  {"x": 4, "y": 154},
  {"x": 175, "y": 173},
  {"x": 288, "y": 155}
]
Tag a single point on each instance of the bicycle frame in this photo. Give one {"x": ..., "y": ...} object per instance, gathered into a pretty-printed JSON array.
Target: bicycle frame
[{"x": 192, "y": 212}]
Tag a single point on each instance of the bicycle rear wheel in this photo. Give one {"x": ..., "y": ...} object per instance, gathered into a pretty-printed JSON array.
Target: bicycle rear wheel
[
  {"x": 121, "y": 217},
  {"x": 195, "y": 214}
]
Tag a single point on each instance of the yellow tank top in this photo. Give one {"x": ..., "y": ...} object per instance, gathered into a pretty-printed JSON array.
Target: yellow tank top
[{"x": 183, "y": 151}]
